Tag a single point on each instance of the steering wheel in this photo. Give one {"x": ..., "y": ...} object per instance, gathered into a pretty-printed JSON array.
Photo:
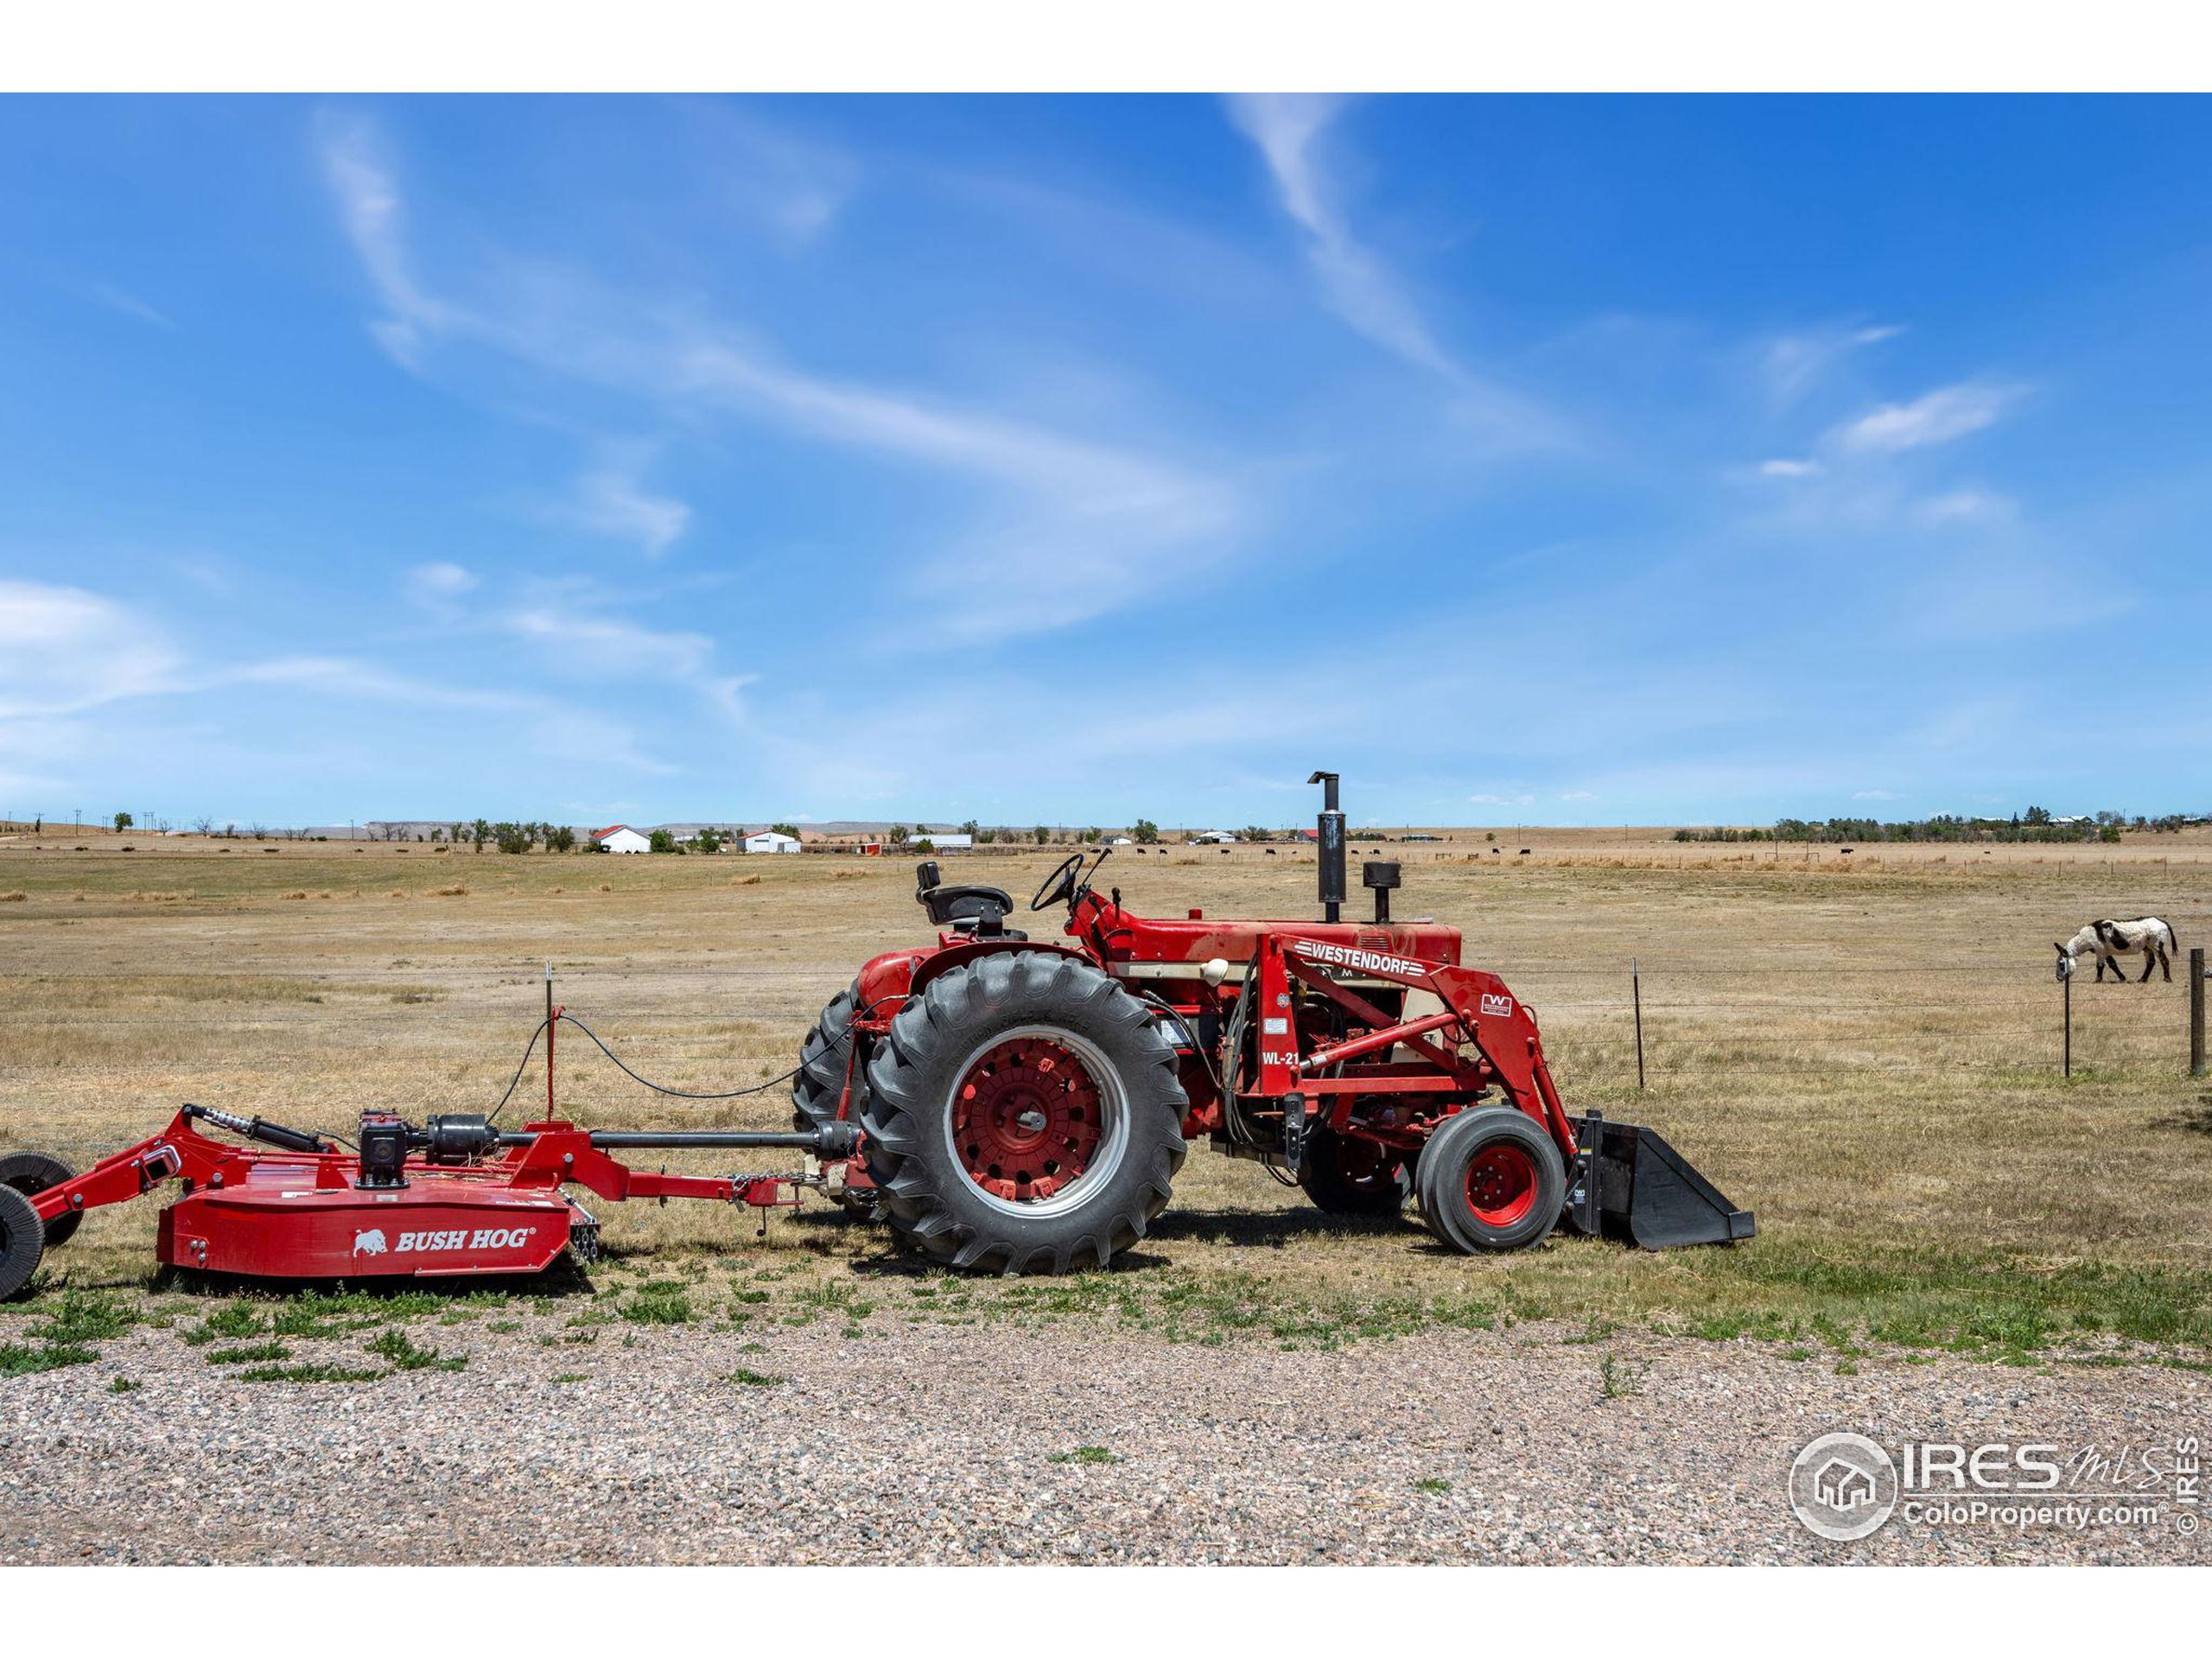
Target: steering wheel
[{"x": 1060, "y": 884}]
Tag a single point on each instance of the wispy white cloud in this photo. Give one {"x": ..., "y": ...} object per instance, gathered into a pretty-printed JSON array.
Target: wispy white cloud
[
  {"x": 1783, "y": 467},
  {"x": 1360, "y": 289},
  {"x": 1875, "y": 795},
  {"x": 1067, "y": 511},
  {"x": 1940, "y": 416},
  {"x": 1287, "y": 130},
  {"x": 370, "y": 208},
  {"x": 121, "y": 301},
  {"x": 351, "y": 679},
  {"x": 588, "y": 644},
  {"x": 65, "y": 650},
  {"x": 795, "y": 186},
  {"x": 1793, "y": 365},
  {"x": 612, "y": 499},
  {"x": 1967, "y": 506},
  {"x": 439, "y": 586}
]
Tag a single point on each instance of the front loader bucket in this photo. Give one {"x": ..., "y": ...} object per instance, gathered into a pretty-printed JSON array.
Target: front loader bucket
[{"x": 1635, "y": 1187}]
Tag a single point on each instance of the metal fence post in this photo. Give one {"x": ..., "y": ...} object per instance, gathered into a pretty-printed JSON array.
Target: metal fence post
[
  {"x": 2196, "y": 1011},
  {"x": 1636, "y": 994},
  {"x": 2068, "y": 1062}
]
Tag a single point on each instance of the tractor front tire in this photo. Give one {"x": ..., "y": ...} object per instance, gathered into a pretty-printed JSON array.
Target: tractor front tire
[
  {"x": 1346, "y": 1176},
  {"x": 819, "y": 1084},
  {"x": 23, "y": 1241},
  {"x": 1490, "y": 1179},
  {"x": 31, "y": 1174},
  {"x": 1026, "y": 1115}
]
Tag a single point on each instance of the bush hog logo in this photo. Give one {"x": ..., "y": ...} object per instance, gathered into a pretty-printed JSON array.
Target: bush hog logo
[
  {"x": 484, "y": 1238},
  {"x": 1368, "y": 961}
]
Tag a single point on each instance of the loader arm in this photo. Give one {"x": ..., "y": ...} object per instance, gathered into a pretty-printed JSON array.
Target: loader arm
[{"x": 1479, "y": 1008}]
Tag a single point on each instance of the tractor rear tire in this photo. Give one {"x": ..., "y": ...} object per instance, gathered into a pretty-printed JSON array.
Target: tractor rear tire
[
  {"x": 1025, "y": 1113},
  {"x": 1346, "y": 1176},
  {"x": 23, "y": 1241},
  {"x": 820, "y": 1081},
  {"x": 1490, "y": 1179},
  {"x": 31, "y": 1174}
]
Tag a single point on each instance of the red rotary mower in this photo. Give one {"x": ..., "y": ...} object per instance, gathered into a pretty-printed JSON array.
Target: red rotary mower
[
  {"x": 457, "y": 1196},
  {"x": 1026, "y": 1105}
]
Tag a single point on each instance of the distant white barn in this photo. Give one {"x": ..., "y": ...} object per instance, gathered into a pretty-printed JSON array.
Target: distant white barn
[
  {"x": 619, "y": 838},
  {"x": 772, "y": 841},
  {"x": 1215, "y": 837}
]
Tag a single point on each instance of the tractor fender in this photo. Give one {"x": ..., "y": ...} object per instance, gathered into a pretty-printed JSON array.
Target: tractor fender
[
  {"x": 882, "y": 986},
  {"x": 959, "y": 956}
]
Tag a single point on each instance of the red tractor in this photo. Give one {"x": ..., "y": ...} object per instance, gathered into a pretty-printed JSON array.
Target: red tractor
[{"x": 1026, "y": 1103}]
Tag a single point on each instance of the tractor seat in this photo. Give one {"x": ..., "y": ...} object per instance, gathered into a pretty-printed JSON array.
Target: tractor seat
[{"x": 949, "y": 906}]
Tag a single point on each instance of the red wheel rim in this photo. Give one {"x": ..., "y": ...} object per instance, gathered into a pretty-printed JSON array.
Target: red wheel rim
[
  {"x": 1026, "y": 1120},
  {"x": 1500, "y": 1185}
]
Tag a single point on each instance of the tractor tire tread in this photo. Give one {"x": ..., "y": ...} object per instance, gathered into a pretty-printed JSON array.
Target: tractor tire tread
[
  {"x": 1442, "y": 1167},
  {"x": 31, "y": 1174},
  {"x": 926, "y": 1197},
  {"x": 23, "y": 1241},
  {"x": 821, "y": 1079}
]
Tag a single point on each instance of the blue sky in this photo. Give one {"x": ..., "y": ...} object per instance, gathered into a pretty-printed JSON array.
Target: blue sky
[{"x": 1600, "y": 461}]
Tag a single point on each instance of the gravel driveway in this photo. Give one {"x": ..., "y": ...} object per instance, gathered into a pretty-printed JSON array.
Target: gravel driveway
[{"x": 918, "y": 1443}]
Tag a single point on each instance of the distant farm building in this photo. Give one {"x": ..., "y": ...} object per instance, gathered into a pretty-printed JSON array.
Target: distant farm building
[
  {"x": 772, "y": 841},
  {"x": 1214, "y": 838},
  {"x": 619, "y": 838}
]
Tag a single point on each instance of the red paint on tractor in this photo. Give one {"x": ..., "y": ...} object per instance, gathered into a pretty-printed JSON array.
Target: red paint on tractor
[
  {"x": 1501, "y": 1185},
  {"x": 1026, "y": 1119}
]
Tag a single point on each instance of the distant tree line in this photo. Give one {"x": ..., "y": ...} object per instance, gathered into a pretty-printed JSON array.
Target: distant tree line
[{"x": 2036, "y": 824}]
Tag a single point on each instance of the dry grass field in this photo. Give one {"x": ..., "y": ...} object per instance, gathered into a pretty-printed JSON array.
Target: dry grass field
[{"x": 1864, "y": 1049}]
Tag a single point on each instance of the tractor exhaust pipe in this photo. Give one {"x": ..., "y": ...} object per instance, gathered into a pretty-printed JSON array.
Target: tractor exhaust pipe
[{"x": 1330, "y": 830}]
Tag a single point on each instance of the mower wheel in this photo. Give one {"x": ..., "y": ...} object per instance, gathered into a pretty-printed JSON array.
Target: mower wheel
[
  {"x": 23, "y": 1241},
  {"x": 1025, "y": 1115},
  {"x": 1490, "y": 1179},
  {"x": 821, "y": 1080},
  {"x": 31, "y": 1174},
  {"x": 1346, "y": 1176}
]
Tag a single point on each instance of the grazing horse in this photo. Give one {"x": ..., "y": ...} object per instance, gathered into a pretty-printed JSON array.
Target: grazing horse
[{"x": 2110, "y": 941}]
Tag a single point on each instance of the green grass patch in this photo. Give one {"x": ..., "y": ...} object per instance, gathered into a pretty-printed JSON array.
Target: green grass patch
[
  {"x": 1084, "y": 1454},
  {"x": 85, "y": 1316},
  {"x": 405, "y": 1354},
  {"x": 1433, "y": 1486},
  {"x": 745, "y": 1376},
  {"x": 659, "y": 1302},
  {"x": 306, "y": 1373},
  {"x": 231, "y": 1322},
  {"x": 124, "y": 1385},
  {"x": 1619, "y": 1378},
  {"x": 23, "y": 1358},
  {"x": 252, "y": 1353}
]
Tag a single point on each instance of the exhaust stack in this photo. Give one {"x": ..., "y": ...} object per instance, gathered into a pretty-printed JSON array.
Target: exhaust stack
[{"x": 1331, "y": 825}]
